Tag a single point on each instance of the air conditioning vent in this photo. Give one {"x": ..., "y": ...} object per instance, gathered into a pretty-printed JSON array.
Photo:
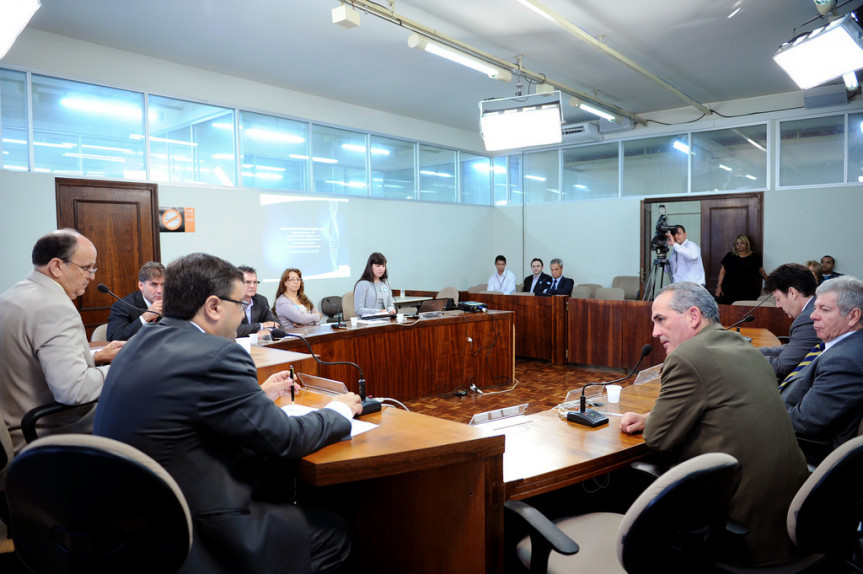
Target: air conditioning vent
[{"x": 580, "y": 133}]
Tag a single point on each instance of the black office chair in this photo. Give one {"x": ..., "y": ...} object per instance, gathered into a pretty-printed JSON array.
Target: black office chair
[
  {"x": 30, "y": 420},
  {"x": 669, "y": 527},
  {"x": 331, "y": 307},
  {"x": 82, "y": 503}
]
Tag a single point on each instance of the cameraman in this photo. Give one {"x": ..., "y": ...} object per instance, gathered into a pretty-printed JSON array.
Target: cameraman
[{"x": 685, "y": 261}]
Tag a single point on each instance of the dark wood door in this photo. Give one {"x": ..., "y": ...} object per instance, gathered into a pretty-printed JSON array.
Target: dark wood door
[
  {"x": 723, "y": 219},
  {"x": 122, "y": 221}
]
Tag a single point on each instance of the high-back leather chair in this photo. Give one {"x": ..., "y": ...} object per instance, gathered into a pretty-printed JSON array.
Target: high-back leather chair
[
  {"x": 82, "y": 503},
  {"x": 667, "y": 528}
]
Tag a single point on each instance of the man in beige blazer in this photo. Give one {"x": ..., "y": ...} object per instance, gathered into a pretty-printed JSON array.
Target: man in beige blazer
[
  {"x": 718, "y": 394},
  {"x": 44, "y": 354}
]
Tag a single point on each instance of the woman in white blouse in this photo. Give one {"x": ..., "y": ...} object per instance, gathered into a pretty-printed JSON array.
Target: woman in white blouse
[{"x": 292, "y": 306}]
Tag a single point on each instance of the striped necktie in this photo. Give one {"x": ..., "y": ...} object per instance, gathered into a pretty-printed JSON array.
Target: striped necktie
[{"x": 810, "y": 356}]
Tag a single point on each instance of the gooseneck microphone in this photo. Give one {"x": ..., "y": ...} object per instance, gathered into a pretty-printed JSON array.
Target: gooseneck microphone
[
  {"x": 369, "y": 406},
  {"x": 591, "y": 418},
  {"x": 746, "y": 319},
  {"x": 104, "y": 289}
]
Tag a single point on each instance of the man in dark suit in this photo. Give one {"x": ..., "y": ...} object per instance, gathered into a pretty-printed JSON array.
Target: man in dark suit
[
  {"x": 128, "y": 316},
  {"x": 258, "y": 317},
  {"x": 718, "y": 394},
  {"x": 560, "y": 285},
  {"x": 538, "y": 281},
  {"x": 793, "y": 286},
  {"x": 219, "y": 434},
  {"x": 825, "y": 399}
]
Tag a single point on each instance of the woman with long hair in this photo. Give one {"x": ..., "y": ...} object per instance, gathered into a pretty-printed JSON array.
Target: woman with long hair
[
  {"x": 292, "y": 307},
  {"x": 372, "y": 293},
  {"x": 741, "y": 273}
]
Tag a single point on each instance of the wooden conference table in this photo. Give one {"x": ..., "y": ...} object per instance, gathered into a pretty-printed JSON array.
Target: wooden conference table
[{"x": 417, "y": 358}]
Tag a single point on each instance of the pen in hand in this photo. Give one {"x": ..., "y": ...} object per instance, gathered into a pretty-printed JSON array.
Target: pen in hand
[{"x": 292, "y": 384}]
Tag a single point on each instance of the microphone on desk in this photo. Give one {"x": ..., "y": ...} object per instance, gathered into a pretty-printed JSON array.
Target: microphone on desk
[
  {"x": 104, "y": 289},
  {"x": 747, "y": 319},
  {"x": 369, "y": 406},
  {"x": 591, "y": 418}
]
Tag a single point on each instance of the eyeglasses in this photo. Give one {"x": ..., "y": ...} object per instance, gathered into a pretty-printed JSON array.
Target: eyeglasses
[
  {"x": 251, "y": 282},
  {"x": 243, "y": 305},
  {"x": 86, "y": 270},
  {"x": 292, "y": 279}
]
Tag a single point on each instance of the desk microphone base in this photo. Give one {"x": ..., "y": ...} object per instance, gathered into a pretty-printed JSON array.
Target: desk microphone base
[
  {"x": 587, "y": 418},
  {"x": 370, "y": 406}
]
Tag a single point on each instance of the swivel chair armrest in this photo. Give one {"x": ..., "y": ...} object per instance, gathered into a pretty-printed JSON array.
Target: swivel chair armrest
[
  {"x": 28, "y": 422},
  {"x": 545, "y": 536}
]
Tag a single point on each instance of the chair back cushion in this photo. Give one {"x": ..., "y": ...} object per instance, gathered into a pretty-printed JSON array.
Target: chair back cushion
[
  {"x": 331, "y": 306},
  {"x": 824, "y": 515},
  {"x": 83, "y": 503},
  {"x": 672, "y": 521}
]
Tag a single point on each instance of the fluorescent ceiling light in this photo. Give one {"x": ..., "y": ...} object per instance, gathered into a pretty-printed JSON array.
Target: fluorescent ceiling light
[
  {"x": 272, "y": 135},
  {"x": 823, "y": 54},
  {"x": 536, "y": 8},
  {"x": 596, "y": 111},
  {"x": 362, "y": 149},
  {"x": 15, "y": 16},
  {"x": 522, "y": 121},
  {"x": 459, "y": 57},
  {"x": 680, "y": 146}
]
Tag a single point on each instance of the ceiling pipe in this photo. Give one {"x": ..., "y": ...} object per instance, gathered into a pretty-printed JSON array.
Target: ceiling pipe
[{"x": 392, "y": 17}]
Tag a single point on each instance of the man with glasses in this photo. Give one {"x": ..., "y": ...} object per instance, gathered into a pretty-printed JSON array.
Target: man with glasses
[
  {"x": 257, "y": 316},
  {"x": 143, "y": 307},
  {"x": 205, "y": 418},
  {"x": 44, "y": 353}
]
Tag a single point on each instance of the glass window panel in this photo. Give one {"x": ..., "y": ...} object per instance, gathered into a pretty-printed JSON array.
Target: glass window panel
[
  {"x": 393, "y": 169},
  {"x": 501, "y": 195},
  {"x": 590, "y": 172},
  {"x": 475, "y": 177},
  {"x": 541, "y": 179},
  {"x": 191, "y": 142},
  {"x": 87, "y": 130},
  {"x": 730, "y": 159},
  {"x": 339, "y": 161},
  {"x": 274, "y": 152},
  {"x": 812, "y": 151},
  {"x": 516, "y": 189},
  {"x": 437, "y": 174},
  {"x": 656, "y": 166},
  {"x": 855, "y": 148},
  {"x": 13, "y": 106}
]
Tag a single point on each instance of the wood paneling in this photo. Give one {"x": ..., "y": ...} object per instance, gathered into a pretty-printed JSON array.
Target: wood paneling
[{"x": 416, "y": 358}]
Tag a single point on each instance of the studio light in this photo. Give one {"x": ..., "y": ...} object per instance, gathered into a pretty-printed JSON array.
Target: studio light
[
  {"x": 521, "y": 121},
  {"x": 823, "y": 54},
  {"x": 14, "y": 15},
  {"x": 453, "y": 55}
]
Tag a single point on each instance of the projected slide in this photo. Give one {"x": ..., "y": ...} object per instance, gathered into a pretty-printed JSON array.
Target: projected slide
[{"x": 306, "y": 233}]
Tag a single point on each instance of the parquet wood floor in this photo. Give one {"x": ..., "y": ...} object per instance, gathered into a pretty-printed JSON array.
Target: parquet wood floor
[{"x": 540, "y": 384}]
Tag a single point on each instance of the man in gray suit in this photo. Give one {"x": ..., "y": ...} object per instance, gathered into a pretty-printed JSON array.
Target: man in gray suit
[
  {"x": 718, "y": 394},
  {"x": 204, "y": 417},
  {"x": 825, "y": 399},
  {"x": 793, "y": 286},
  {"x": 44, "y": 353}
]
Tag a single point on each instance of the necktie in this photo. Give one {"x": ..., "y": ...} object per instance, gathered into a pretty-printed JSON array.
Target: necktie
[
  {"x": 810, "y": 356},
  {"x": 554, "y": 285}
]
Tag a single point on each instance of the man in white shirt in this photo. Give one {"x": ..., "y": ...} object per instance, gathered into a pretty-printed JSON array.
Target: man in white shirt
[
  {"x": 685, "y": 259},
  {"x": 502, "y": 280}
]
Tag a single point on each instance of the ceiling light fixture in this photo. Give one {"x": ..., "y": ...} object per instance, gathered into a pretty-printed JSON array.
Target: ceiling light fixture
[
  {"x": 521, "y": 121},
  {"x": 16, "y": 15},
  {"x": 824, "y": 53},
  {"x": 576, "y": 103},
  {"x": 459, "y": 57}
]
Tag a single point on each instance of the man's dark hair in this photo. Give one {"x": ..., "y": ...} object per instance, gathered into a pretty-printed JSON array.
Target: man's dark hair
[
  {"x": 531, "y": 261},
  {"x": 500, "y": 258},
  {"x": 191, "y": 279},
  {"x": 61, "y": 244},
  {"x": 151, "y": 270},
  {"x": 679, "y": 228},
  {"x": 247, "y": 269},
  {"x": 791, "y": 275}
]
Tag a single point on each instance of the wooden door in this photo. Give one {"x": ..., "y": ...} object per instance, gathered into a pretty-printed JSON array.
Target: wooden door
[
  {"x": 122, "y": 221},
  {"x": 724, "y": 218}
]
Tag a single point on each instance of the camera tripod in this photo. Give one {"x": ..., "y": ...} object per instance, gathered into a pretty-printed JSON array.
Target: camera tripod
[{"x": 661, "y": 269}]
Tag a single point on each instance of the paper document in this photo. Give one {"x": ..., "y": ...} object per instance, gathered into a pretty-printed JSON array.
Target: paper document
[{"x": 357, "y": 426}]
